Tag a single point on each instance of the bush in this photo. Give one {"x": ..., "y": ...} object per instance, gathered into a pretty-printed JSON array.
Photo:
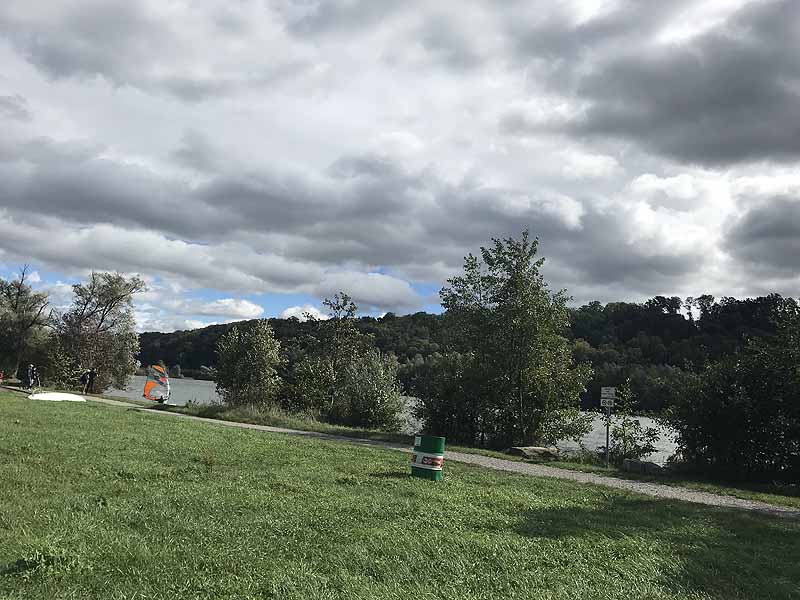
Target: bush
[
  {"x": 246, "y": 373},
  {"x": 371, "y": 394},
  {"x": 363, "y": 392},
  {"x": 740, "y": 418}
]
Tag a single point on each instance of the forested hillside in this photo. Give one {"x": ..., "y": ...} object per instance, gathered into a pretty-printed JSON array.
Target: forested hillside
[{"x": 653, "y": 344}]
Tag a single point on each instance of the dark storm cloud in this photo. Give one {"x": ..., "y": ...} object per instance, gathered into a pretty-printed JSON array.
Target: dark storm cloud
[
  {"x": 768, "y": 236},
  {"x": 729, "y": 95},
  {"x": 15, "y": 108}
]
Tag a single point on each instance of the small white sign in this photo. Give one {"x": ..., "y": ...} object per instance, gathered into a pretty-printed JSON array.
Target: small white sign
[
  {"x": 608, "y": 392},
  {"x": 607, "y": 402}
]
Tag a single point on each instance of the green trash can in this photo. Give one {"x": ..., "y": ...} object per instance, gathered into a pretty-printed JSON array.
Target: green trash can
[{"x": 427, "y": 459}]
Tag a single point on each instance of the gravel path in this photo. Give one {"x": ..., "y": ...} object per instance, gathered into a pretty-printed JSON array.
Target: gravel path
[{"x": 649, "y": 489}]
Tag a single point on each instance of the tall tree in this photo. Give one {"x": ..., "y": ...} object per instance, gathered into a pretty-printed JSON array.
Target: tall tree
[
  {"x": 98, "y": 331},
  {"x": 517, "y": 326},
  {"x": 247, "y": 369},
  {"x": 22, "y": 313}
]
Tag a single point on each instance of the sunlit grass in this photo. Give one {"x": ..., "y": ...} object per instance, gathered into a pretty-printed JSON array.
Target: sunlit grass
[{"x": 99, "y": 502}]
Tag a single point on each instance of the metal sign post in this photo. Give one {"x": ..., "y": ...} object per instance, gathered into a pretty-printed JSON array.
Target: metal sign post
[{"x": 607, "y": 395}]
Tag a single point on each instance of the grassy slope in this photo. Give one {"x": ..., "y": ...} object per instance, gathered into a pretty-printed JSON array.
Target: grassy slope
[{"x": 97, "y": 502}]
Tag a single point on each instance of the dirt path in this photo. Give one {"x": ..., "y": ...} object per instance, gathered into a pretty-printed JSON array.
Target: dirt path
[{"x": 649, "y": 489}]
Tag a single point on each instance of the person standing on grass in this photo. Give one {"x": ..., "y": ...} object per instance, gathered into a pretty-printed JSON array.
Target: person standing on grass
[
  {"x": 29, "y": 374},
  {"x": 85, "y": 380},
  {"x": 35, "y": 381},
  {"x": 90, "y": 380}
]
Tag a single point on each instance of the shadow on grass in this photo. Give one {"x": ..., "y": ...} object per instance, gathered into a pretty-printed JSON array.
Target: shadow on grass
[{"x": 722, "y": 553}]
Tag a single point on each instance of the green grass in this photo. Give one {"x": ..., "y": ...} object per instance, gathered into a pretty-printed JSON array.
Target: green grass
[{"x": 102, "y": 502}]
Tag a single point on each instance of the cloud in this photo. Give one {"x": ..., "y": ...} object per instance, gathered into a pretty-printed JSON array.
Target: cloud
[
  {"x": 300, "y": 312},
  {"x": 767, "y": 237},
  {"x": 728, "y": 95},
  {"x": 226, "y": 307},
  {"x": 15, "y": 108},
  {"x": 147, "y": 45}
]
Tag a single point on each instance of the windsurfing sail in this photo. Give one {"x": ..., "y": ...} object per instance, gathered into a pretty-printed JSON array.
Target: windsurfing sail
[{"x": 157, "y": 385}]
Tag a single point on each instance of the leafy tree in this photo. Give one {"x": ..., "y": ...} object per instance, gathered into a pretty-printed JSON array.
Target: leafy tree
[
  {"x": 740, "y": 418},
  {"x": 502, "y": 306},
  {"x": 247, "y": 367},
  {"x": 23, "y": 315},
  {"x": 343, "y": 377},
  {"x": 98, "y": 330}
]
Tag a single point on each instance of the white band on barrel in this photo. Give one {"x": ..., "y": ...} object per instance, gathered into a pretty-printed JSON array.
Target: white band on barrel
[{"x": 423, "y": 460}]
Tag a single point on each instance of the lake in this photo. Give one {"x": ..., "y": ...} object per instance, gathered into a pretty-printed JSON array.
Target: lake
[
  {"x": 182, "y": 391},
  {"x": 187, "y": 390}
]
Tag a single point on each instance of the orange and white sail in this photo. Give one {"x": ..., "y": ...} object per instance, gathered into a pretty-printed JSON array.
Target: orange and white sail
[{"x": 157, "y": 385}]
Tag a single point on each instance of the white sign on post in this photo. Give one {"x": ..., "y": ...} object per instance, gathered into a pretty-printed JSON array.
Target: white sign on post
[{"x": 607, "y": 395}]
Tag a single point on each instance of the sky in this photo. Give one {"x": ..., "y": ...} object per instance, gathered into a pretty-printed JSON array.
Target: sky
[{"x": 251, "y": 157}]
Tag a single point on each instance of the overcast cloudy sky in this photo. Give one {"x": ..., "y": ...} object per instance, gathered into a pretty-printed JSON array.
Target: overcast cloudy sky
[{"x": 249, "y": 157}]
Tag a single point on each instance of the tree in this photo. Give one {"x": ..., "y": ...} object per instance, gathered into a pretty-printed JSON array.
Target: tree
[
  {"x": 343, "y": 377},
  {"x": 98, "y": 331},
  {"x": 23, "y": 314},
  {"x": 450, "y": 402},
  {"x": 629, "y": 439},
  {"x": 504, "y": 309},
  {"x": 740, "y": 418},
  {"x": 247, "y": 368}
]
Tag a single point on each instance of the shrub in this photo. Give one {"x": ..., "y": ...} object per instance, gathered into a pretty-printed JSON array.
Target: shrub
[
  {"x": 628, "y": 438},
  {"x": 363, "y": 393}
]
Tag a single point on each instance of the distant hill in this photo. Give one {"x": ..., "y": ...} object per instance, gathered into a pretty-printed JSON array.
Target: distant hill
[{"x": 405, "y": 336}]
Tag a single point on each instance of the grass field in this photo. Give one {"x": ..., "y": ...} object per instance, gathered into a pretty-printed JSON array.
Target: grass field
[{"x": 101, "y": 502}]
